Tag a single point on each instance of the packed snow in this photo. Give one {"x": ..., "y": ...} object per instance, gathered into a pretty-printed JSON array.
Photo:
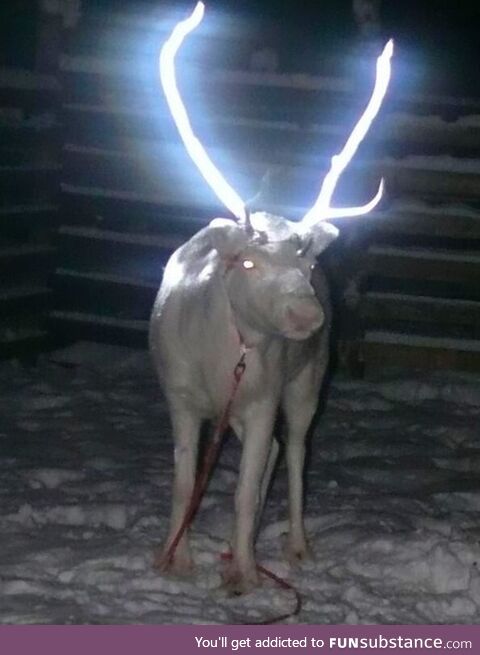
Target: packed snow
[{"x": 393, "y": 502}]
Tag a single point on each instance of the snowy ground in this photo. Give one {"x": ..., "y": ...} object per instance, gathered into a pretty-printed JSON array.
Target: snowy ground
[{"x": 86, "y": 462}]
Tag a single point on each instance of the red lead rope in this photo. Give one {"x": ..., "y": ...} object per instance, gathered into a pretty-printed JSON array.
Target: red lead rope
[
  {"x": 200, "y": 487},
  {"x": 209, "y": 460}
]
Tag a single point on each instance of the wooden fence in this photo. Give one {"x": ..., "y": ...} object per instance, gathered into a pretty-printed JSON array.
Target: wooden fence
[
  {"x": 405, "y": 279},
  {"x": 29, "y": 184}
]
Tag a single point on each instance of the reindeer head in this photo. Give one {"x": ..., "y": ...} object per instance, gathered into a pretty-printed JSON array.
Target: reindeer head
[{"x": 291, "y": 246}]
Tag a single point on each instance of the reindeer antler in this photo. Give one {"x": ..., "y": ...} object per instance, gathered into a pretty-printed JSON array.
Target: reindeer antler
[
  {"x": 321, "y": 210},
  {"x": 228, "y": 196}
]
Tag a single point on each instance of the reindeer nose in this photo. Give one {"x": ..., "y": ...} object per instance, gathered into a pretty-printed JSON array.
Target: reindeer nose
[{"x": 303, "y": 317}]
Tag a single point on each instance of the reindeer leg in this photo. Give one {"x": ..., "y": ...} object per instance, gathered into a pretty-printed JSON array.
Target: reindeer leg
[
  {"x": 269, "y": 468},
  {"x": 299, "y": 403},
  {"x": 267, "y": 476},
  {"x": 186, "y": 431},
  {"x": 242, "y": 574}
]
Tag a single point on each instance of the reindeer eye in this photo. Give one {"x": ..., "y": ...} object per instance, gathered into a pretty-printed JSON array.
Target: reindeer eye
[{"x": 247, "y": 263}]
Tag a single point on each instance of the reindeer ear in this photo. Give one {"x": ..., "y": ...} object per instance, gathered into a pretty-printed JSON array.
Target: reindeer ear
[
  {"x": 323, "y": 234},
  {"x": 227, "y": 237}
]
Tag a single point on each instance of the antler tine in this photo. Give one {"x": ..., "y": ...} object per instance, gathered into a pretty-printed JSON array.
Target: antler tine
[
  {"x": 247, "y": 223},
  {"x": 321, "y": 210},
  {"x": 226, "y": 194}
]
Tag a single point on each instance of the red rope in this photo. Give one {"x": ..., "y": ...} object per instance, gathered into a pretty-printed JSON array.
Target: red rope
[
  {"x": 210, "y": 457},
  {"x": 281, "y": 583},
  {"x": 200, "y": 487}
]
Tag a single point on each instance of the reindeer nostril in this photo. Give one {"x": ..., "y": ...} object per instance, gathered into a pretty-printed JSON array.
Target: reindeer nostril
[{"x": 304, "y": 319}]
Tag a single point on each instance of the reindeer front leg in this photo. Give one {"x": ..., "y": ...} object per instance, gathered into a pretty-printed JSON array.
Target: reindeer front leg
[
  {"x": 242, "y": 574},
  {"x": 186, "y": 431},
  {"x": 300, "y": 400}
]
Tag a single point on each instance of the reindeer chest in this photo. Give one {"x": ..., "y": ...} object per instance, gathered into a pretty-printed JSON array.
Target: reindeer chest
[{"x": 263, "y": 376}]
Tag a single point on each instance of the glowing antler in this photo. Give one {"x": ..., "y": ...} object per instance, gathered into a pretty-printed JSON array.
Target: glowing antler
[
  {"x": 197, "y": 152},
  {"x": 321, "y": 210}
]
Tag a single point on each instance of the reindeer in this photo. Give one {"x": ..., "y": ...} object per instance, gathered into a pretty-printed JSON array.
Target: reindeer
[{"x": 250, "y": 285}]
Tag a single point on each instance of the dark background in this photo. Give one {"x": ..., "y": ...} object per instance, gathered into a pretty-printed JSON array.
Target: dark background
[{"x": 440, "y": 35}]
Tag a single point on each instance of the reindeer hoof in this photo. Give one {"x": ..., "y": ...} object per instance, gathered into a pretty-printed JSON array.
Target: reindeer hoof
[
  {"x": 181, "y": 564},
  {"x": 238, "y": 583},
  {"x": 299, "y": 553}
]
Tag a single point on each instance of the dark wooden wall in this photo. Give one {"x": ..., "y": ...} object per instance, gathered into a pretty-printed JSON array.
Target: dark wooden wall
[
  {"x": 406, "y": 277},
  {"x": 29, "y": 185}
]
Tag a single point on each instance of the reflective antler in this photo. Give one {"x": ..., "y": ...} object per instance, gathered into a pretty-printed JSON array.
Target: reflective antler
[
  {"x": 228, "y": 196},
  {"x": 321, "y": 210}
]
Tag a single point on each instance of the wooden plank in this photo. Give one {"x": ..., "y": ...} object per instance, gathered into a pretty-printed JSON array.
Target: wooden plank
[
  {"x": 32, "y": 187},
  {"x": 118, "y": 296},
  {"x": 106, "y": 278},
  {"x": 210, "y": 98},
  {"x": 78, "y": 325},
  {"x": 108, "y": 199},
  {"x": 28, "y": 212},
  {"x": 457, "y": 289},
  {"x": 380, "y": 350},
  {"x": 398, "y": 133},
  {"x": 27, "y": 80},
  {"x": 98, "y": 319},
  {"x": 9, "y": 252},
  {"x": 170, "y": 177},
  {"x": 103, "y": 210},
  {"x": 25, "y": 344},
  {"x": 23, "y": 221},
  {"x": 381, "y": 307},
  {"x": 147, "y": 135},
  {"x": 26, "y": 262},
  {"x": 229, "y": 40},
  {"x": 429, "y": 183},
  {"x": 429, "y": 132},
  {"x": 90, "y": 166},
  {"x": 29, "y": 179},
  {"x": 144, "y": 18},
  {"x": 31, "y": 91},
  {"x": 424, "y": 264},
  {"x": 33, "y": 183},
  {"x": 163, "y": 154},
  {"x": 123, "y": 257},
  {"x": 23, "y": 300},
  {"x": 30, "y": 169},
  {"x": 442, "y": 221},
  {"x": 162, "y": 242},
  {"x": 175, "y": 213},
  {"x": 118, "y": 66},
  {"x": 28, "y": 138},
  {"x": 128, "y": 72}
]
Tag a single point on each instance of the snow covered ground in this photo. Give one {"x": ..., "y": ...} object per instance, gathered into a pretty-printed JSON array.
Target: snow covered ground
[{"x": 393, "y": 506}]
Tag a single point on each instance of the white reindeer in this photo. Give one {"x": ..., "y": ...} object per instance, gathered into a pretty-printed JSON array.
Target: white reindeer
[{"x": 246, "y": 285}]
